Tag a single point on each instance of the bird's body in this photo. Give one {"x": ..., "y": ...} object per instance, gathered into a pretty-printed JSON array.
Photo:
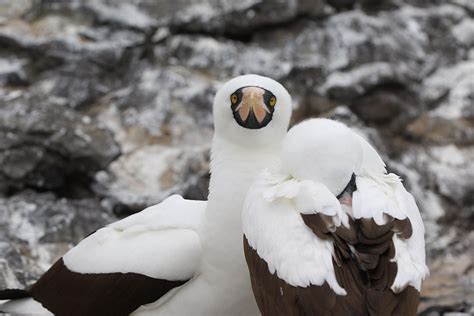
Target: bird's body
[
  {"x": 222, "y": 242},
  {"x": 179, "y": 261},
  {"x": 330, "y": 233},
  {"x": 121, "y": 266}
]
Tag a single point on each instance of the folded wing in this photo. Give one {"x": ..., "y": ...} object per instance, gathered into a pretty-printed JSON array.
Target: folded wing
[
  {"x": 364, "y": 260},
  {"x": 122, "y": 266}
]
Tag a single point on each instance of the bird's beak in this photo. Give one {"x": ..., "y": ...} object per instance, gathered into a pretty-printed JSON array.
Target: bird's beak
[
  {"x": 345, "y": 198},
  {"x": 252, "y": 112}
]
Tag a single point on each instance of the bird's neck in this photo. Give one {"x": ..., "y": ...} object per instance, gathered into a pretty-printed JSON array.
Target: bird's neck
[{"x": 233, "y": 169}]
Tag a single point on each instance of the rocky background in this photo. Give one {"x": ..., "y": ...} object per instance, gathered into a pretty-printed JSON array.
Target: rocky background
[{"x": 105, "y": 108}]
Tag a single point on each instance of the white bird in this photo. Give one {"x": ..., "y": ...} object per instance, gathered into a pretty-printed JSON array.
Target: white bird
[
  {"x": 179, "y": 257},
  {"x": 329, "y": 232}
]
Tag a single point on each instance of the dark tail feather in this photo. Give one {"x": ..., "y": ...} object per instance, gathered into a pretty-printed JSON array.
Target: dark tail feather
[{"x": 13, "y": 294}]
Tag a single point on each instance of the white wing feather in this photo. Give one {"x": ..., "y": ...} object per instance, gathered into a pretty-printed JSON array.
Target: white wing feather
[
  {"x": 376, "y": 196},
  {"x": 309, "y": 197},
  {"x": 160, "y": 242},
  {"x": 173, "y": 212},
  {"x": 25, "y": 307},
  {"x": 410, "y": 253},
  {"x": 274, "y": 227},
  {"x": 379, "y": 195}
]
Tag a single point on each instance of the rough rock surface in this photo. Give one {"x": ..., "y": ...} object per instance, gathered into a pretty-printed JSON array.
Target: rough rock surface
[
  {"x": 105, "y": 108},
  {"x": 37, "y": 228},
  {"x": 48, "y": 147}
]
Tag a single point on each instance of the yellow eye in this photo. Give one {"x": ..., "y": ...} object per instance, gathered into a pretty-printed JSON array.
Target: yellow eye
[
  {"x": 233, "y": 98},
  {"x": 273, "y": 101}
]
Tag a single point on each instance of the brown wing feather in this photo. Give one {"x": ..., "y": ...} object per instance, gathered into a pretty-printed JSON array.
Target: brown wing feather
[
  {"x": 363, "y": 268},
  {"x": 64, "y": 292},
  {"x": 277, "y": 298},
  {"x": 363, "y": 254}
]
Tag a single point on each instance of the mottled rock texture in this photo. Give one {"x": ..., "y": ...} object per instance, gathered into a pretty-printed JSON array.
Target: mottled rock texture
[{"x": 105, "y": 108}]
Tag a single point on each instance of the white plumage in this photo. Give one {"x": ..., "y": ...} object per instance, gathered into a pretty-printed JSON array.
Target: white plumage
[
  {"x": 144, "y": 243},
  {"x": 180, "y": 239},
  {"x": 222, "y": 286},
  {"x": 326, "y": 153},
  {"x": 273, "y": 226},
  {"x": 26, "y": 307}
]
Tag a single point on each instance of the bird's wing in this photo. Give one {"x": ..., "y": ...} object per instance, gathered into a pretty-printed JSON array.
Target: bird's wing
[
  {"x": 380, "y": 257},
  {"x": 173, "y": 212},
  {"x": 127, "y": 264},
  {"x": 372, "y": 258},
  {"x": 286, "y": 224},
  {"x": 410, "y": 253},
  {"x": 384, "y": 200},
  {"x": 273, "y": 226},
  {"x": 145, "y": 242}
]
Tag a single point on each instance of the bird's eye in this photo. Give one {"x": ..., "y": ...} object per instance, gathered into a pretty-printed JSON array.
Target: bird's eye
[
  {"x": 273, "y": 101},
  {"x": 233, "y": 98}
]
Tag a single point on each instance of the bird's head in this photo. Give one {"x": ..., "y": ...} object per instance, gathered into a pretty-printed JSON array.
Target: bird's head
[
  {"x": 324, "y": 151},
  {"x": 252, "y": 110}
]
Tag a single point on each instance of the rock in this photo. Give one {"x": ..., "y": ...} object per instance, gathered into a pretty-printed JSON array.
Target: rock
[
  {"x": 449, "y": 93},
  {"x": 346, "y": 41},
  {"x": 440, "y": 182},
  {"x": 122, "y": 14},
  {"x": 466, "y": 4},
  {"x": 152, "y": 173},
  {"x": 73, "y": 75},
  {"x": 347, "y": 85},
  {"x": 38, "y": 228},
  {"x": 213, "y": 57},
  {"x": 44, "y": 146},
  {"x": 10, "y": 9},
  {"x": 239, "y": 19},
  {"x": 390, "y": 107},
  {"x": 440, "y": 82},
  {"x": 450, "y": 90},
  {"x": 165, "y": 102},
  {"x": 441, "y": 131},
  {"x": 447, "y": 287},
  {"x": 12, "y": 72},
  {"x": 464, "y": 33},
  {"x": 342, "y": 4},
  {"x": 453, "y": 168}
]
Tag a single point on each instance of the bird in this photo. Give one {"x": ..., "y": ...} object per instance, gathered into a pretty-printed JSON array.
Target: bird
[
  {"x": 329, "y": 232},
  {"x": 179, "y": 257}
]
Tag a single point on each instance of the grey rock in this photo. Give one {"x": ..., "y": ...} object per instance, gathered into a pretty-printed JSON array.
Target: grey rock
[
  {"x": 10, "y": 9},
  {"x": 38, "y": 228},
  {"x": 240, "y": 19},
  {"x": 226, "y": 58},
  {"x": 466, "y": 4},
  {"x": 44, "y": 145},
  {"x": 147, "y": 175},
  {"x": 449, "y": 94},
  {"x": 464, "y": 32},
  {"x": 348, "y": 85},
  {"x": 342, "y": 4}
]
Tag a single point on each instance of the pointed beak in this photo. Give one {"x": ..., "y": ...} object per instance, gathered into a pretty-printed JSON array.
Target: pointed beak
[
  {"x": 252, "y": 112},
  {"x": 257, "y": 106}
]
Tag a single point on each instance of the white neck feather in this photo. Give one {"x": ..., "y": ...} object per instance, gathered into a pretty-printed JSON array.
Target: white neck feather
[{"x": 233, "y": 169}]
